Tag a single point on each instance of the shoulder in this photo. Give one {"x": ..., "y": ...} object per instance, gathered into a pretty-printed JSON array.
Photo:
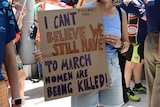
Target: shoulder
[
  {"x": 122, "y": 14},
  {"x": 90, "y": 4},
  {"x": 121, "y": 11}
]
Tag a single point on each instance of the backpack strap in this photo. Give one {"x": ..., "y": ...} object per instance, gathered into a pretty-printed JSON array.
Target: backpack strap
[{"x": 120, "y": 15}]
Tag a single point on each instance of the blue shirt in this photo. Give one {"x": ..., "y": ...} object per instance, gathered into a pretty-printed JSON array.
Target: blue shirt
[
  {"x": 153, "y": 16},
  {"x": 111, "y": 25},
  {"x": 7, "y": 28}
]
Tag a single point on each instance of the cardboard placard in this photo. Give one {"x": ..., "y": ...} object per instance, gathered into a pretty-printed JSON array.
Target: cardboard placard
[{"x": 74, "y": 53}]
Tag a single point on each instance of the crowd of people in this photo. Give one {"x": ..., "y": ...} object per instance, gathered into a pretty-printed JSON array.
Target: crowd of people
[{"x": 131, "y": 28}]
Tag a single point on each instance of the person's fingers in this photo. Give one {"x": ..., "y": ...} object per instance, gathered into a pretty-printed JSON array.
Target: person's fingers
[
  {"x": 38, "y": 56},
  {"x": 39, "y": 59}
]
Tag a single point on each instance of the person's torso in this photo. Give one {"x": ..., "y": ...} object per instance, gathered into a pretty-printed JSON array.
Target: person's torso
[
  {"x": 7, "y": 28},
  {"x": 111, "y": 25},
  {"x": 153, "y": 16}
]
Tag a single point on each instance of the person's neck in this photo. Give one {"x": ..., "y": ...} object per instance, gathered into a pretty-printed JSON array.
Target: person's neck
[{"x": 105, "y": 6}]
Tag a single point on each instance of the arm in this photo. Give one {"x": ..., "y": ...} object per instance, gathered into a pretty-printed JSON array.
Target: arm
[
  {"x": 125, "y": 39},
  {"x": 12, "y": 71},
  {"x": 123, "y": 43},
  {"x": 17, "y": 9},
  {"x": 19, "y": 13},
  {"x": 124, "y": 27},
  {"x": 38, "y": 56},
  {"x": 144, "y": 18}
]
